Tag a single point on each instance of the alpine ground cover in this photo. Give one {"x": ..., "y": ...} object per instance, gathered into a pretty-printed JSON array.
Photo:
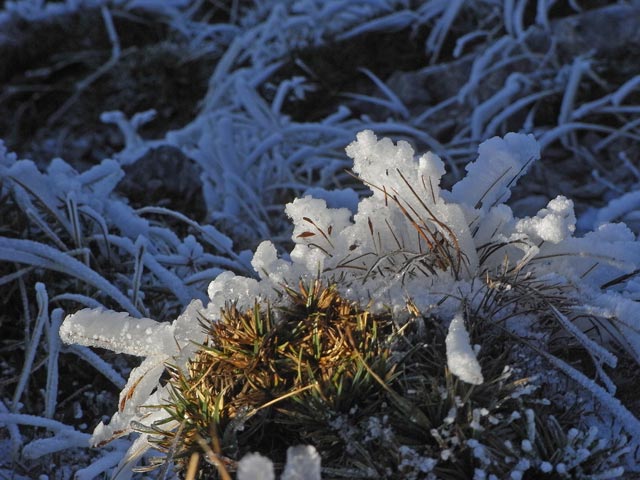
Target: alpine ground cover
[{"x": 271, "y": 126}]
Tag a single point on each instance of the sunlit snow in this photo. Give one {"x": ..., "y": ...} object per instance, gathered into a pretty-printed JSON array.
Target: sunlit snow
[{"x": 461, "y": 358}]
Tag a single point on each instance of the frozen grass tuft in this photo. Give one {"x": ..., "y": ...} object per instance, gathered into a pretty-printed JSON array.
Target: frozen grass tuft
[{"x": 360, "y": 344}]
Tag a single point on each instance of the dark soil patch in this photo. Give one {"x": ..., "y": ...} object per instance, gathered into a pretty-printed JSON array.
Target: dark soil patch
[
  {"x": 336, "y": 69},
  {"x": 43, "y": 62}
]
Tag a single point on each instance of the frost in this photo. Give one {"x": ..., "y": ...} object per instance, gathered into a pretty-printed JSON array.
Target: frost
[
  {"x": 479, "y": 474},
  {"x": 344, "y": 198},
  {"x": 315, "y": 223},
  {"x": 135, "y": 146},
  {"x": 617, "y": 208},
  {"x": 500, "y": 163},
  {"x": 413, "y": 461},
  {"x": 461, "y": 359},
  {"x": 480, "y": 452},
  {"x": 552, "y": 224},
  {"x": 228, "y": 286},
  {"x": 117, "y": 332},
  {"x": 255, "y": 467},
  {"x": 303, "y": 463},
  {"x": 157, "y": 342},
  {"x": 267, "y": 264}
]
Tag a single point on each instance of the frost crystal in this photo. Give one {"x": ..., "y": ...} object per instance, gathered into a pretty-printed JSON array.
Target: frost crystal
[
  {"x": 461, "y": 359},
  {"x": 303, "y": 463},
  {"x": 501, "y": 162},
  {"x": 255, "y": 467},
  {"x": 158, "y": 342},
  {"x": 116, "y": 331},
  {"x": 552, "y": 224}
]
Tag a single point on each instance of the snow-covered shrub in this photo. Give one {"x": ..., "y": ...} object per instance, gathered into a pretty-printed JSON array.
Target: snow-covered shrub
[
  {"x": 468, "y": 288},
  {"x": 280, "y": 373}
]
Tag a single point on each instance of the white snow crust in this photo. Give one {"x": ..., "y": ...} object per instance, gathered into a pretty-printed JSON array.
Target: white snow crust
[
  {"x": 461, "y": 359},
  {"x": 303, "y": 463}
]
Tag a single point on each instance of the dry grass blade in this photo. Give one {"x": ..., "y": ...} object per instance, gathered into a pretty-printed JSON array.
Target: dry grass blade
[
  {"x": 172, "y": 450},
  {"x": 192, "y": 467},
  {"x": 213, "y": 458}
]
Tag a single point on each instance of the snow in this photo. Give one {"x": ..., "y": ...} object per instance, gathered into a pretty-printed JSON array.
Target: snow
[
  {"x": 243, "y": 290},
  {"x": 116, "y": 331},
  {"x": 303, "y": 463},
  {"x": 102, "y": 465},
  {"x": 267, "y": 264},
  {"x": 552, "y": 224},
  {"x": 60, "y": 441},
  {"x": 461, "y": 359},
  {"x": 501, "y": 162},
  {"x": 618, "y": 207},
  {"x": 343, "y": 198},
  {"x": 314, "y": 222},
  {"x": 254, "y": 466},
  {"x": 157, "y": 342}
]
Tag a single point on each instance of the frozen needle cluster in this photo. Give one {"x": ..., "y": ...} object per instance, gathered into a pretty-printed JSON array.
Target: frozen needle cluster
[{"x": 413, "y": 246}]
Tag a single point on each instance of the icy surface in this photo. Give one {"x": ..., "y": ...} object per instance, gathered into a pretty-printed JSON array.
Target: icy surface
[
  {"x": 461, "y": 359},
  {"x": 116, "y": 331}
]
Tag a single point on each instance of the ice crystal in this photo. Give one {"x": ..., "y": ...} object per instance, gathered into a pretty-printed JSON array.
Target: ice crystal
[{"x": 461, "y": 359}]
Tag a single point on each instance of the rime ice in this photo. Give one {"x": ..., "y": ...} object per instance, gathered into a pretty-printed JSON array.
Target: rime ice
[
  {"x": 500, "y": 163},
  {"x": 303, "y": 463},
  {"x": 117, "y": 332},
  {"x": 461, "y": 359}
]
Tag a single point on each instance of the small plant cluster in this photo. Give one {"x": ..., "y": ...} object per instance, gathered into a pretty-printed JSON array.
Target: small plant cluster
[
  {"x": 422, "y": 340},
  {"x": 268, "y": 377},
  {"x": 374, "y": 399}
]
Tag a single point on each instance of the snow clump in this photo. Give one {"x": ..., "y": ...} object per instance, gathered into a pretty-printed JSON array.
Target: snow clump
[{"x": 461, "y": 358}]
